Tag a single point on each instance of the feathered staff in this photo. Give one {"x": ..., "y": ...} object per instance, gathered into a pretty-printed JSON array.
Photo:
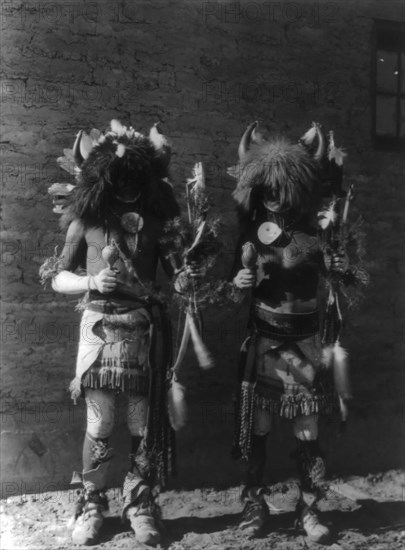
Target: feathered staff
[
  {"x": 332, "y": 225},
  {"x": 197, "y": 209}
]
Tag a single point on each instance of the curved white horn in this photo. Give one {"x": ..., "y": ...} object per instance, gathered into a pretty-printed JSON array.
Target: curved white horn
[{"x": 245, "y": 141}]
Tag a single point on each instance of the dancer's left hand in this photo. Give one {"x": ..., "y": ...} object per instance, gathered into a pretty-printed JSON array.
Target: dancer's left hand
[
  {"x": 192, "y": 271},
  {"x": 195, "y": 270},
  {"x": 337, "y": 260}
]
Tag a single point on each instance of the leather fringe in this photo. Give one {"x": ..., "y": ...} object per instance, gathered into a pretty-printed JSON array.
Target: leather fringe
[
  {"x": 286, "y": 406},
  {"x": 290, "y": 406},
  {"x": 117, "y": 378}
]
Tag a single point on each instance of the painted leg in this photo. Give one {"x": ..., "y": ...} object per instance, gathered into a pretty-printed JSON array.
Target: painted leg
[
  {"x": 311, "y": 471},
  {"x": 139, "y": 505},
  {"x": 256, "y": 513},
  {"x": 96, "y": 462}
]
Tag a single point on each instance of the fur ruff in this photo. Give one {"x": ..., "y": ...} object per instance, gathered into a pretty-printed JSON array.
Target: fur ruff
[
  {"x": 115, "y": 164},
  {"x": 281, "y": 166}
]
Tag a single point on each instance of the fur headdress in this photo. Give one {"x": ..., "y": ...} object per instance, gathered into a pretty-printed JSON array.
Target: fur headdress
[
  {"x": 290, "y": 172},
  {"x": 122, "y": 165}
]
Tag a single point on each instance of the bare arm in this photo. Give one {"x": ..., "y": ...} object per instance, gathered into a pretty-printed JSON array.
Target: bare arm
[{"x": 75, "y": 253}]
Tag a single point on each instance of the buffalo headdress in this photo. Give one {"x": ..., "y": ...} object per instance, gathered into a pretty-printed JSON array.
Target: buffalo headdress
[
  {"x": 118, "y": 165},
  {"x": 290, "y": 174}
]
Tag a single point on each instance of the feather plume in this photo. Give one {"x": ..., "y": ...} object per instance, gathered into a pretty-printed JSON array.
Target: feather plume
[
  {"x": 177, "y": 405},
  {"x": 334, "y": 153},
  {"x": 309, "y": 135},
  {"x": 204, "y": 357},
  {"x": 327, "y": 217},
  {"x": 68, "y": 165},
  {"x": 233, "y": 171},
  {"x": 120, "y": 152},
  {"x": 158, "y": 139},
  {"x": 341, "y": 371},
  {"x": 327, "y": 355},
  {"x": 117, "y": 127},
  {"x": 198, "y": 178},
  {"x": 95, "y": 135}
]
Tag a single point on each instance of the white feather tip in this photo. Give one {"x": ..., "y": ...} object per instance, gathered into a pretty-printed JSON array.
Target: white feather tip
[
  {"x": 339, "y": 353},
  {"x": 310, "y": 135},
  {"x": 117, "y": 127},
  {"x": 327, "y": 355},
  {"x": 120, "y": 152}
]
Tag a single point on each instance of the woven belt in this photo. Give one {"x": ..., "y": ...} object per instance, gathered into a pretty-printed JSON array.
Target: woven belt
[{"x": 283, "y": 326}]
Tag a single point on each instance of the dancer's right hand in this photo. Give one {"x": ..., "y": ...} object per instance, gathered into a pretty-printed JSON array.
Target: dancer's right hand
[
  {"x": 105, "y": 281},
  {"x": 246, "y": 278}
]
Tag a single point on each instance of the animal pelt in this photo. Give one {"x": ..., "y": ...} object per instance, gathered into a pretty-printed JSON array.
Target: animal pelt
[
  {"x": 279, "y": 168},
  {"x": 121, "y": 165}
]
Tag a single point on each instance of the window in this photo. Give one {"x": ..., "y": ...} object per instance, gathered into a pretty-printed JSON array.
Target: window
[{"x": 389, "y": 102}]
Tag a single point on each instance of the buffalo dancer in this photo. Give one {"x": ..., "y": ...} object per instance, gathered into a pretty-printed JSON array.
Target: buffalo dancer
[
  {"x": 279, "y": 256},
  {"x": 115, "y": 220}
]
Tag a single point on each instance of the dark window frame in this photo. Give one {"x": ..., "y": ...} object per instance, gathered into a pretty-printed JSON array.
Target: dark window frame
[{"x": 391, "y": 36}]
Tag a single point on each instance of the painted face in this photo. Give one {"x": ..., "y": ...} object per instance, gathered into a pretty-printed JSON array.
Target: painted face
[
  {"x": 127, "y": 193},
  {"x": 271, "y": 201},
  {"x": 274, "y": 206}
]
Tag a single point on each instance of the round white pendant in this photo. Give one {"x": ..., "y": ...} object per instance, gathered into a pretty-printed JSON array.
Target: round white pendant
[
  {"x": 268, "y": 232},
  {"x": 131, "y": 222}
]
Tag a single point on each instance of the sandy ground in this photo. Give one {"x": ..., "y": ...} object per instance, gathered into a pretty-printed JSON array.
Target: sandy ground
[{"x": 364, "y": 513}]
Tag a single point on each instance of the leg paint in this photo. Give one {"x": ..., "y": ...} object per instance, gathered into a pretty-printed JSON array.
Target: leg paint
[
  {"x": 311, "y": 471},
  {"x": 96, "y": 453},
  {"x": 310, "y": 465},
  {"x": 255, "y": 465},
  {"x": 256, "y": 513},
  {"x": 96, "y": 461}
]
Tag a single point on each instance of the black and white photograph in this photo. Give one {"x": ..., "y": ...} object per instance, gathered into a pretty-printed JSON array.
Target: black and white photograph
[{"x": 202, "y": 275}]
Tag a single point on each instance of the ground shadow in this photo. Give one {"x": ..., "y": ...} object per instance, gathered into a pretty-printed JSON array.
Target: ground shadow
[
  {"x": 179, "y": 527},
  {"x": 114, "y": 527},
  {"x": 371, "y": 518}
]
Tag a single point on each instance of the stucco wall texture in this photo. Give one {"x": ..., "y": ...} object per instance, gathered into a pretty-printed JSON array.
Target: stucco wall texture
[{"x": 205, "y": 70}]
